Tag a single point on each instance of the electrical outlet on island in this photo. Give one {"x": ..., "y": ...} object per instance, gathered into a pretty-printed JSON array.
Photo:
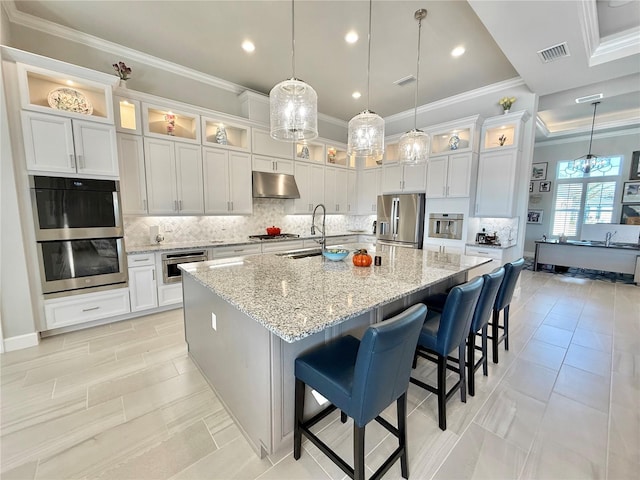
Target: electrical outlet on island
[{"x": 167, "y": 227}]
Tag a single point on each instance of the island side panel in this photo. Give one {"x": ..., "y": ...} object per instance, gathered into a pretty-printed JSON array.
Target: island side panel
[
  {"x": 578, "y": 256},
  {"x": 234, "y": 358}
]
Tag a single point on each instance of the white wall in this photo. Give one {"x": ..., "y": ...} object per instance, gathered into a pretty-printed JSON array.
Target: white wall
[{"x": 622, "y": 142}]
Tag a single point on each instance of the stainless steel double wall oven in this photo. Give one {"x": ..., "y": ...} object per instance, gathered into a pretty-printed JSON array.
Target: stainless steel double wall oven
[{"x": 78, "y": 225}]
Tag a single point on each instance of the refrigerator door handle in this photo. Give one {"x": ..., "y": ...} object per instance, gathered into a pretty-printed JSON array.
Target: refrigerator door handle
[{"x": 395, "y": 219}]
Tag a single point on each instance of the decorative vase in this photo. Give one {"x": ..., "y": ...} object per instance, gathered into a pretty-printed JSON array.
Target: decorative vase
[
  {"x": 506, "y": 110},
  {"x": 454, "y": 142},
  {"x": 123, "y": 83},
  {"x": 304, "y": 152},
  {"x": 221, "y": 136}
]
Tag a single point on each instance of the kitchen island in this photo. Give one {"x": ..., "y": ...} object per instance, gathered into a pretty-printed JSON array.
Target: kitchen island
[
  {"x": 248, "y": 318},
  {"x": 616, "y": 257}
]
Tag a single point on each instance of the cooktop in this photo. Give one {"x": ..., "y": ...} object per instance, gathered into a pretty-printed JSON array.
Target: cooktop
[{"x": 272, "y": 237}]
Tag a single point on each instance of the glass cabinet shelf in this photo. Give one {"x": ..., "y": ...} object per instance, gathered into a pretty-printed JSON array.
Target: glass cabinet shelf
[
  {"x": 47, "y": 91},
  {"x": 450, "y": 141},
  {"x": 127, "y": 113},
  {"x": 310, "y": 152},
  {"x": 165, "y": 122},
  {"x": 220, "y": 133}
]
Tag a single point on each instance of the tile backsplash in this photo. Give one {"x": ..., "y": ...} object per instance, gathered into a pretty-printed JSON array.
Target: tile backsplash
[
  {"x": 506, "y": 229},
  {"x": 266, "y": 212}
]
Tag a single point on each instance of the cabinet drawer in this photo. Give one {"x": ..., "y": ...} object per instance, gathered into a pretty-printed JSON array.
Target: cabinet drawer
[
  {"x": 60, "y": 312},
  {"x": 342, "y": 240},
  {"x": 141, "y": 259},
  {"x": 272, "y": 247},
  {"x": 485, "y": 252},
  {"x": 236, "y": 251}
]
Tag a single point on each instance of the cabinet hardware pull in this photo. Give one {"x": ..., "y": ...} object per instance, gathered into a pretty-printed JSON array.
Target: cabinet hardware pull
[
  {"x": 89, "y": 309},
  {"x": 81, "y": 161},
  {"x": 179, "y": 204},
  {"x": 144, "y": 204},
  {"x": 238, "y": 250},
  {"x": 72, "y": 164},
  {"x": 175, "y": 205},
  {"x": 153, "y": 275},
  {"x": 140, "y": 260},
  {"x": 276, "y": 166},
  {"x": 231, "y": 206},
  {"x": 447, "y": 190}
]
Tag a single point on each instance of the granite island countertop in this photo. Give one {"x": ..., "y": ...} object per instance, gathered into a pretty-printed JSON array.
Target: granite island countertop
[{"x": 295, "y": 298}]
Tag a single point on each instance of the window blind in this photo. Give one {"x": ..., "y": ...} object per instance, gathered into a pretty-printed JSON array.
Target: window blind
[{"x": 567, "y": 209}]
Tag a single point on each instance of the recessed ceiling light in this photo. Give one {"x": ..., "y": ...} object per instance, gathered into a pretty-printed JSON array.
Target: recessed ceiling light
[
  {"x": 456, "y": 52},
  {"x": 248, "y": 46},
  {"x": 69, "y": 82},
  {"x": 356, "y": 95},
  {"x": 351, "y": 37}
]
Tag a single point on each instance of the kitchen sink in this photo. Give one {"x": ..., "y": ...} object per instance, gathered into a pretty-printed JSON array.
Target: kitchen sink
[{"x": 295, "y": 254}]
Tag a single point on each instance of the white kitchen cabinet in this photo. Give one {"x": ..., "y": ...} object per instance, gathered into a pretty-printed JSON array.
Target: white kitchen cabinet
[
  {"x": 170, "y": 294},
  {"x": 143, "y": 289},
  {"x": 86, "y": 307},
  {"x": 335, "y": 190},
  {"x": 443, "y": 246},
  {"x": 227, "y": 175},
  {"x": 55, "y": 144},
  {"x": 310, "y": 180},
  {"x": 369, "y": 187},
  {"x": 174, "y": 177},
  {"x": 282, "y": 246},
  {"x": 449, "y": 176},
  {"x": 127, "y": 113},
  {"x": 274, "y": 165},
  {"x": 398, "y": 178},
  {"x": 495, "y": 192},
  {"x": 133, "y": 186},
  {"x": 263, "y": 144},
  {"x": 499, "y": 257},
  {"x": 165, "y": 122},
  {"x": 223, "y": 134},
  {"x": 236, "y": 250},
  {"x": 342, "y": 240},
  {"x": 352, "y": 192}
]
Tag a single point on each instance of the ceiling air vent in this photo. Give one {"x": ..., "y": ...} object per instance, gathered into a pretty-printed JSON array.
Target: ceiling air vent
[
  {"x": 589, "y": 98},
  {"x": 405, "y": 80},
  {"x": 554, "y": 53}
]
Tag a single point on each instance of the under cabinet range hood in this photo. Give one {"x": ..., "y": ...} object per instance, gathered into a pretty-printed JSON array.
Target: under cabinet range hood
[{"x": 274, "y": 185}]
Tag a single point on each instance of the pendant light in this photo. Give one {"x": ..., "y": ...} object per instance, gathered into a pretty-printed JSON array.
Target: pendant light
[
  {"x": 366, "y": 130},
  {"x": 414, "y": 145},
  {"x": 293, "y": 104},
  {"x": 589, "y": 162}
]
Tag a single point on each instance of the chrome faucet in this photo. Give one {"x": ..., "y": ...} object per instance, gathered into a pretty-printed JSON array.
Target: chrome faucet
[
  {"x": 322, "y": 230},
  {"x": 607, "y": 238}
]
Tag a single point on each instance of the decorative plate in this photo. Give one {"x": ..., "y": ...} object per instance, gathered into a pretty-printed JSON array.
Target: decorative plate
[{"x": 69, "y": 100}]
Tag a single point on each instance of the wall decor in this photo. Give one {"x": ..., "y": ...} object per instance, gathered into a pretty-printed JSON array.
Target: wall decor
[
  {"x": 631, "y": 192},
  {"x": 545, "y": 186},
  {"x": 634, "y": 174},
  {"x": 531, "y": 186},
  {"x": 534, "y": 216},
  {"x": 539, "y": 171},
  {"x": 630, "y": 214}
]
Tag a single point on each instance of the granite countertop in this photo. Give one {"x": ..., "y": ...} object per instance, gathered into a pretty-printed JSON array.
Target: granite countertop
[
  {"x": 295, "y": 298},
  {"x": 592, "y": 243},
  {"x": 165, "y": 247}
]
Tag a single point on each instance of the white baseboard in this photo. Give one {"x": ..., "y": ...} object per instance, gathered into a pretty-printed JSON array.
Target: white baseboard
[
  {"x": 529, "y": 254},
  {"x": 21, "y": 341}
]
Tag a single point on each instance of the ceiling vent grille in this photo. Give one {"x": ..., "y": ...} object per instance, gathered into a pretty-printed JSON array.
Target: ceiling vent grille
[
  {"x": 554, "y": 53},
  {"x": 405, "y": 80}
]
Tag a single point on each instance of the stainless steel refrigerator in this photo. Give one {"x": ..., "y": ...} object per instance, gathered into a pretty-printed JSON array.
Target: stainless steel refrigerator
[{"x": 401, "y": 219}]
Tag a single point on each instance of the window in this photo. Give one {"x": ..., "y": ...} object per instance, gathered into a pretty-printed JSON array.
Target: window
[{"x": 584, "y": 198}]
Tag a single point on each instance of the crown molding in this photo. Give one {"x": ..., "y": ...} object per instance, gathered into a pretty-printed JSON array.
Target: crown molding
[
  {"x": 50, "y": 28},
  {"x": 333, "y": 120},
  {"x": 542, "y": 127},
  {"x": 460, "y": 98},
  {"x": 573, "y": 139}
]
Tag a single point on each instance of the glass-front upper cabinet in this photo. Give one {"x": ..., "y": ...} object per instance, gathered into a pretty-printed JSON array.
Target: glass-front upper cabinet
[
  {"x": 171, "y": 124},
  {"x": 337, "y": 155},
  {"x": 218, "y": 132},
  {"x": 310, "y": 152},
  {"x": 457, "y": 136},
  {"x": 127, "y": 113},
  {"x": 504, "y": 131},
  {"x": 65, "y": 94}
]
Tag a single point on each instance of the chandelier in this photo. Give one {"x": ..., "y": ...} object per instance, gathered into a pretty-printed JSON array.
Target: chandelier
[
  {"x": 589, "y": 163},
  {"x": 366, "y": 130},
  {"x": 293, "y": 104},
  {"x": 414, "y": 145}
]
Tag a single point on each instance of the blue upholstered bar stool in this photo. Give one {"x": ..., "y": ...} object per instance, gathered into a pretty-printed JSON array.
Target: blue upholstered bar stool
[
  {"x": 361, "y": 378},
  {"x": 503, "y": 301},
  {"x": 479, "y": 324},
  {"x": 441, "y": 334}
]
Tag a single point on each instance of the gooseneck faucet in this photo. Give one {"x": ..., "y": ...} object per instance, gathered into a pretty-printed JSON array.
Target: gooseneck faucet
[{"x": 322, "y": 230}]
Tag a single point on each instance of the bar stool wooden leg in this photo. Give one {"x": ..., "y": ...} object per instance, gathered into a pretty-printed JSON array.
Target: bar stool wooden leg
[
  {"x": 358, "y": 452},
  {"x": 299, "y": 409},
  {"x": 485, "y": 350},
  {"x": 506, "y": 327},
  {"x": 471, "y": 362},
  {"x": 401, "y": 407},
  {"x": 461, "y": 367},
  {"x": 442, "y": 392},
  {"x": 495, "y": 335}
]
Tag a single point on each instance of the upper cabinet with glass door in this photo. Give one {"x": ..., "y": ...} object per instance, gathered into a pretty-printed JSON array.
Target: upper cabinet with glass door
[
  {"x": 504, "y": 131},
  {"x": 127, "y": 113},
  {"x": 171, "y": 124},
  {"x": 458, "y": 136},
  {"x": 337, "y": 155},
  {"x": 217, "y": 132},
  {"x": 313, "y": 152},
  {"x": 66, "y": 94}
]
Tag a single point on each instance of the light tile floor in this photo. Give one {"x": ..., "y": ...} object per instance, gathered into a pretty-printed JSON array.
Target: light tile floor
[{"x": 124, "y": 401}]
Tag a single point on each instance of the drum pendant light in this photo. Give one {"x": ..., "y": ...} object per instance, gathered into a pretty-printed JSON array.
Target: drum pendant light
[
  {"x": 293, "y": 104},
  {"x": 414, "y": 145},
  {"x": 366, "y": 130}
]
